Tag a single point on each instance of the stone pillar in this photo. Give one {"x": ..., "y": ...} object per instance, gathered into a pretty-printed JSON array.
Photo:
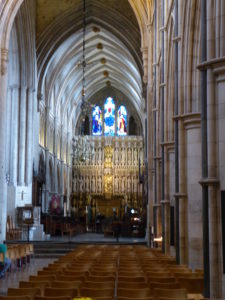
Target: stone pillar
[
  {"x": 8, "y": 128},
  {"x": 212, "y": 175},
  {"x": 29, "y": 139},
  {"x": 68, "y": 209},
  {"x": 192, "y": 123},
  {"x": 14, "y": 135},
  {"x": 56, "y": 183},
  {"x": 183, "y": 227},
  {"x": 158, "y": 222},
  {"x": 181, "y": 196},
  {"x": 22, "y": 135},
  {"x": 62, "y": 182},
  {"x": 46, "y": 199},
  {"x": 166, "y": 209},
  {"x": 3, "y": 185}
]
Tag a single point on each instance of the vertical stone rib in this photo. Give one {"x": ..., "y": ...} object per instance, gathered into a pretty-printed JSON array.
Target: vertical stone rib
[{"x": 22, "y": 135}]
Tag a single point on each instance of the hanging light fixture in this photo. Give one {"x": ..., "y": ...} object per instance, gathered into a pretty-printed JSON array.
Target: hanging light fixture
[
  {"x": 84, "y": 104},
  {"x": 83, "y": 149}
]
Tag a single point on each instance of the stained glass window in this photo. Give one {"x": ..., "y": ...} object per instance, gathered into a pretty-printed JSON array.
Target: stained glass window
[
  {"x": 97, "y": 121},
  {"x": 109, "y": 117},
  {"x": 122, "y": 121}
]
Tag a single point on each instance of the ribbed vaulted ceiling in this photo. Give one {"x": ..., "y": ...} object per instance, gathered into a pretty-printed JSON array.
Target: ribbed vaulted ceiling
[{"x": 112, "y": 53}]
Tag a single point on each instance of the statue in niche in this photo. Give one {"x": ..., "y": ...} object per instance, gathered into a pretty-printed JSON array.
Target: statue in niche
[
  {"x": 123, "y": 156},
  {"x": 81, "y": 183},
  {"x": 87, "y": 184},
  {"x": 116, "y": 184},
  {"x": 93, "y": 184},
  {"x": 123, "y": 184},
  {"x": 99, "y": 156},
  {"x": 116, "y": 156},
  {"x": 135, "y": 182},
  {"x": 141, "y": 155},
  {"x": 128, "y": 184},
  {"x": 75, "y": 184},
  {"x": 99, "y": 184},
  {"x": 135, "y": 156},
  {"x": 129, "y": 156}
]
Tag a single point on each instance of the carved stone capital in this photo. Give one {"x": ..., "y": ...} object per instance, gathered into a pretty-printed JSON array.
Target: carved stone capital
[{"x": 4, "y": 61}]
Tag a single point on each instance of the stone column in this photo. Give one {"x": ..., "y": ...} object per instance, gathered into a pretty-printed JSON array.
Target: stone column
[
  {"x": 3, "y": 185},
  {"x": 181, "y": 196},
  {"x": 46, "y": 194},
  {"x": 192, "y": 123},
  {"x": 62, "y": 182},
  {"x": 22, "y": 135},
  {"x": 158, "y": 224},
  {"x": 166, "y": 210},
  {"x": 8, "y": 128},
  {"x": 68, "y": 209},
  {"x": 14, "y": 136},
  {"x": 46, "y": 199},
  {"x": 183, "y": 227},
  {"x": 29, "y": 140},
  {"x": 56, "y": 183},
  {"x": 213, "y": 181}
]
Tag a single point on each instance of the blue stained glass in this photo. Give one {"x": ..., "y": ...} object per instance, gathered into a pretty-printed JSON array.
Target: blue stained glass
[
  {"x": 109, "y": 117},
  {"x": 97, "y": 121},
  {"x": 122, "y": 121}
]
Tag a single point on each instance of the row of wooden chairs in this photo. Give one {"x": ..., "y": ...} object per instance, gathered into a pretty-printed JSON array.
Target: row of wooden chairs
[
  {"x": 19, "y": 254},
  {"x": 121, "y": 273}
]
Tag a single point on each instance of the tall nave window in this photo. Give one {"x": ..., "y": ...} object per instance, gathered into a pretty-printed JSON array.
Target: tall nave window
[{"x": 112, "y": 120}]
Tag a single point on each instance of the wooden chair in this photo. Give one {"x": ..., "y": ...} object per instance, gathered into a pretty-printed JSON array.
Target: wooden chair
[
  {"x": 49, "y": 272},
  {"x": 102, "y": 273},
  {"x": 127, "y": 298},
  {"x": 162, "y": 279},
  {"x": 15, "y": 298},
  {"x": 66, "y": 284},
  {"x": 170, "y": 293},
  {"x": 164, "y": 285},
  {"x": 79, "y": 278},
  {"x": 187, "y": 275},
  {"x": 132, "y": 278},
  {"x": 35, "y": 284},
  {"x": 132, "y": 285},
  {"x": 193, "y": 285},
  {"x": 177, "y": 298},
  {"x": 74, "y": 273},
  {"x": 134, "y": 293},
  {"x": 98, "y": 285},
  {"x": 101, "y": 278},
  {"x": 12, "y": 233},
  {"x": 96, "y": 293},
  {"x": 51, "y": 298},
  {"x": 131, "y": 274},
  {"x": 158, "y": 274},
  {"x": 59, "y": 292},
  {"x": 42, "y": 277},
  {"x": 29, "y": 292}
]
